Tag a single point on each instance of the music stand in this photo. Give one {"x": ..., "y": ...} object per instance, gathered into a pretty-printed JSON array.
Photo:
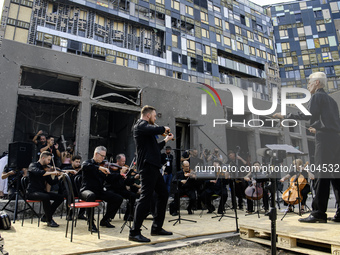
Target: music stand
[
  {"x": 179, "y": 218},
  {"x": 221, "y": 177}
]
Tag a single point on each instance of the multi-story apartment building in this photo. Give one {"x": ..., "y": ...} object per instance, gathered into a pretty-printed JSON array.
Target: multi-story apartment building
[
  {"x": 84, "y": 68},
  {"x": 307, "y": 40},
  {"x": 214, "y": 42}
]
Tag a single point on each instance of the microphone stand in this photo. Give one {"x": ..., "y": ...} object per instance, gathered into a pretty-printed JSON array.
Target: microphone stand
[{"x": 233, "y": 180}]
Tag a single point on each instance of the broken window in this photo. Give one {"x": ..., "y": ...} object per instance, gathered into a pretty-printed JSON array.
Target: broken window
[
  {"x": 53, "y": 118},
  {"x": 115, "y": 93},
  {"x": 55, "y": 82},
  {"x": 112, "y": 129}
]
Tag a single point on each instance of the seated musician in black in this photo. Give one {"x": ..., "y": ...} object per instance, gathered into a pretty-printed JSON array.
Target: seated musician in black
[
  {"x": 186, "y": 186},
  {"x": 73, "y": 170},
  {"x": 13, "y": 177},
  {"x": 304, "y": 192},
  {"x": 239, "y": 181},
  {"x": 92, "y": 187},
  {"x": 118, "y": 182},
  {"x": 215, "y": 187},
  {"x": 39, "y": 173},
  {"x": 253, "y": 177}
]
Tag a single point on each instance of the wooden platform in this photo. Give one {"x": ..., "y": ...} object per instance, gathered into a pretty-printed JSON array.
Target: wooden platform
[{"x": 307, "y": 238}]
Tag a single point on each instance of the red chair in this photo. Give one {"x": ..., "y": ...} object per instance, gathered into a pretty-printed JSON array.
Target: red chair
[
  {"x": 24, "y": 184},
  {"x": 77, "y": 183},
  {"x": 75, "y": 206}
]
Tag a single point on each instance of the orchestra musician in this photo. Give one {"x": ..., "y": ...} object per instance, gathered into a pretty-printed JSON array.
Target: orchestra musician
[
  {"x": 306, "y": 189},
  {"x": 148, "y": 166},
  {"x": 118, "y": 181},
  {"x": 73, "y": 170},
  {"x": 92, "y": 187},
  {"x": 239, "y": 182},
  {"x": 39, "y": 173},
  {"x": 325, "y": 123},
  {"x": 186, "y": 186},
  {"x": 251, "y": 177},
  {"x": 217, "y": 187}
]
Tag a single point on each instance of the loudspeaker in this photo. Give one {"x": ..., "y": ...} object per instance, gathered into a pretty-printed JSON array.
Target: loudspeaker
[{"x": 19, "y": 155}]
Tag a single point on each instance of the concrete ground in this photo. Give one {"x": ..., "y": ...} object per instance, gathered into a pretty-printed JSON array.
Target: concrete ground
[{"x": 31, "y": 239}]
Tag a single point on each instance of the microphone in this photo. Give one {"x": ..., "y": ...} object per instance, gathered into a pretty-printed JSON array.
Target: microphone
[{"x": 196, "y": 125}]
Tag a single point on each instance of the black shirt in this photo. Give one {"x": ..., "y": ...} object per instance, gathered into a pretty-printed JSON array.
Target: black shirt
[
  {"x": 37, "y": 179},
  {"x": 93, "y": 178},
  {"x": 148, "y": 149},
  {"x": 190, "y": 183},
  {"x": 324, "y": 110},
  {"x": 167, "y": 159}
]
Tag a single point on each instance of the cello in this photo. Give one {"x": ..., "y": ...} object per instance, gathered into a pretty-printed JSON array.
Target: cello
[
  {"x": 292, "y": 195},
  {"x": 254, "y": 191}
]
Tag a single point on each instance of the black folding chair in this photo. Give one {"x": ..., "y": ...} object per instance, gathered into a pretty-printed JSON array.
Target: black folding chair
[
  {"x": 73, "y": 205},
  {"x": 24, "y": 184}
]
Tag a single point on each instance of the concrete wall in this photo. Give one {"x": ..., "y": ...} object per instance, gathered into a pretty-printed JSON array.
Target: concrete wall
[{"x": 173, "y": 98}]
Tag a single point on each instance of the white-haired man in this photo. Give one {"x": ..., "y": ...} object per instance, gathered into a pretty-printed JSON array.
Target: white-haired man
[
  {"x": 325, "y": 123},
  {"x": 92, "y": 187}
]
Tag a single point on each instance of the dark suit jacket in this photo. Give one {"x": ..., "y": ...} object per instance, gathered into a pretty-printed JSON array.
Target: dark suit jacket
[
  {"x": 148, "y": 149},
  {"x": 93, "y": 179}
]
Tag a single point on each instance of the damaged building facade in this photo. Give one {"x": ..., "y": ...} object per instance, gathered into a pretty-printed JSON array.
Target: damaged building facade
[{"x": 82, "y": 70}]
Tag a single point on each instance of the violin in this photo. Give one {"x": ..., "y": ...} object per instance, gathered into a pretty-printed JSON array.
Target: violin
[
  {"x": 110, "y": 166},
  {"x": 165, "y": 133},
  {"x": 49, "y": 168},
  {"x": 293, "y": 193},
  {"x": 254, "y": 191}
]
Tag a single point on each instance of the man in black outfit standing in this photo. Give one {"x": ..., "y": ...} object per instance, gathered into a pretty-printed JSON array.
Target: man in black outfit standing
[
  {"x": 92, "y": 187},
  {"x": 325, "y": 123},
  {"x": 148, "y": 165},
  {"x": 166, "y": 160},
  {"x": 39, "y": 174}
]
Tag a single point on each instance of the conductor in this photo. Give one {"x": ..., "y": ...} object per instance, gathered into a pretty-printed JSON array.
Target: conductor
[{"x": 148, "y": 164}]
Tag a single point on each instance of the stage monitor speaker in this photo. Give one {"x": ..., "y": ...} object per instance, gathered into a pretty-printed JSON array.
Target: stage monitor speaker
[{"x": 19, "y": 155}]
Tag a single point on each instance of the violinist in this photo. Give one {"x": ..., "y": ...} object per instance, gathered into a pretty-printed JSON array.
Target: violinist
[
  {"x": 148, "y": 165},
  {"x": 92, "y": 187},
  {"x": 73, "y": 170},
  {"x": 217, "y": 187},
  {"x": 186, "y": 186},
  {"x": 39, "y": 173},
  {"x": 120, "y": 183},
  {"x": 261, "y": 188},
  {"x": 306, "y": 189}
]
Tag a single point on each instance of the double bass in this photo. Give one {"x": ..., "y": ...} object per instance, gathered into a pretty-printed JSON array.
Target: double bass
[{"x": 292, "y": 195}]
